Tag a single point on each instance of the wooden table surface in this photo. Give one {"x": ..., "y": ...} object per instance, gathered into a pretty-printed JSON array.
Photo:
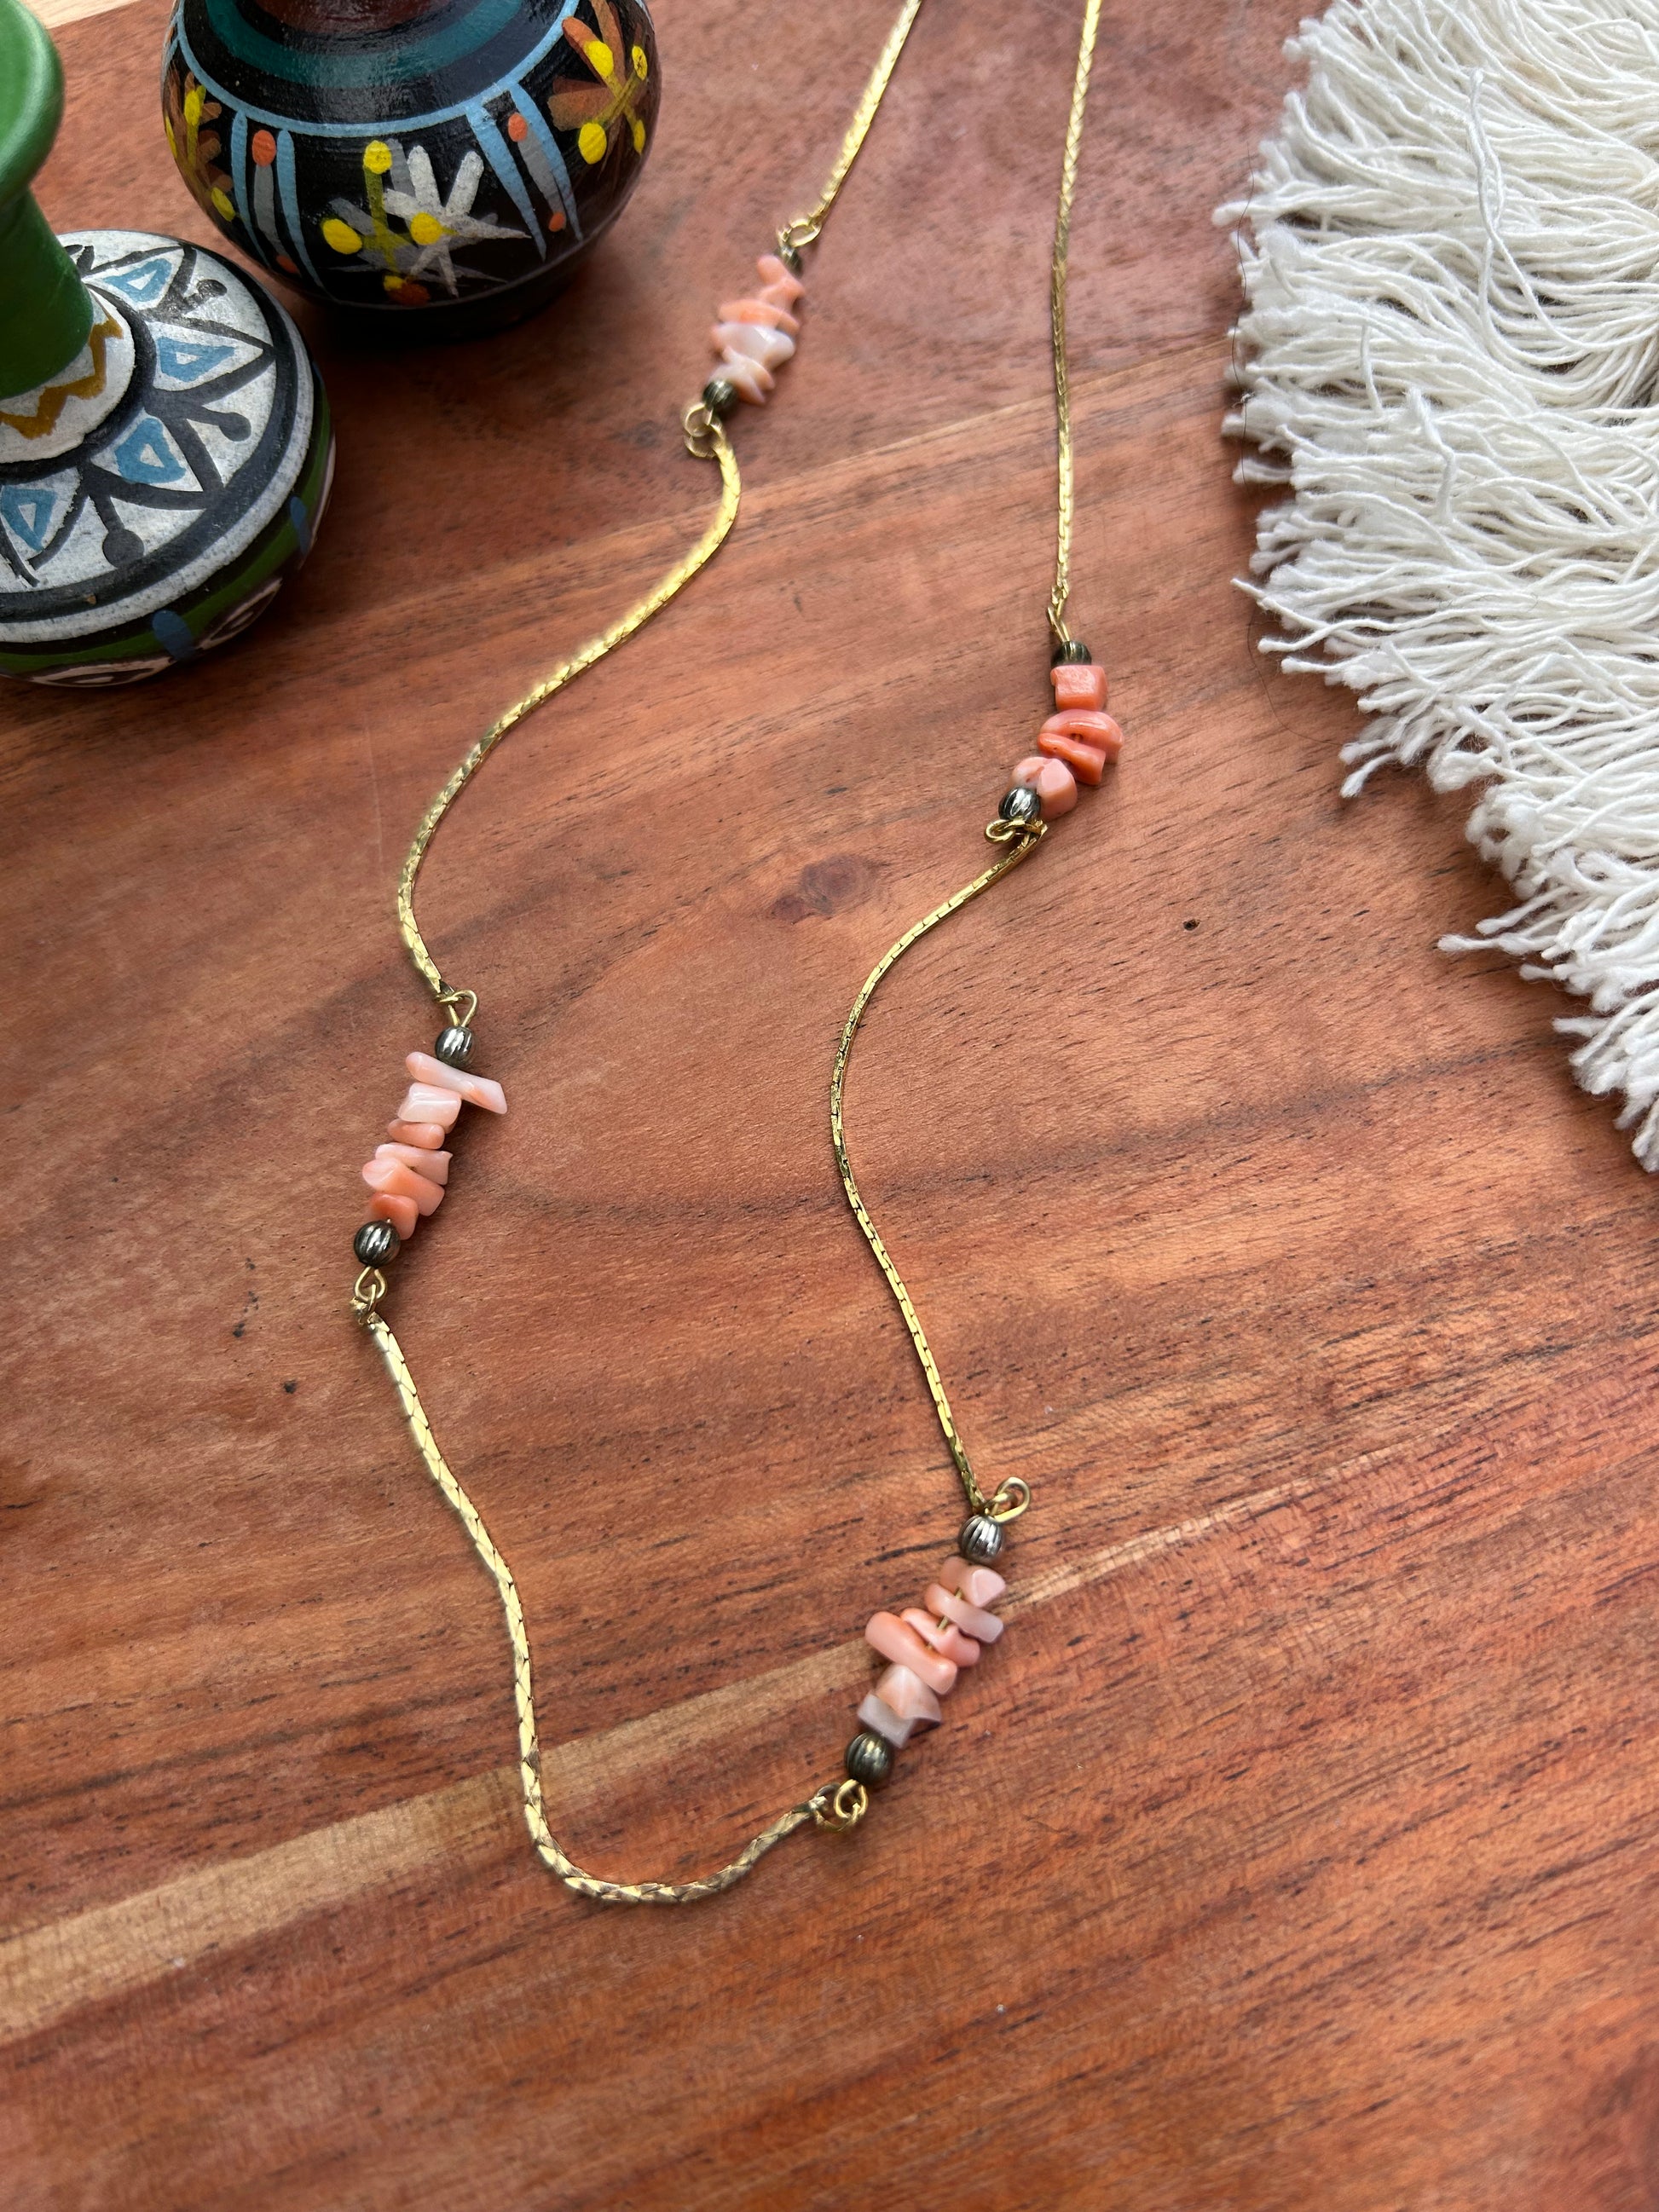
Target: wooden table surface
[{"x": 1293, "y": 1852}]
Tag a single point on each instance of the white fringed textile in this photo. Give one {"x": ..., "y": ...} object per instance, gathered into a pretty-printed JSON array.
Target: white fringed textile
[{"x": 1451, "y": 261}]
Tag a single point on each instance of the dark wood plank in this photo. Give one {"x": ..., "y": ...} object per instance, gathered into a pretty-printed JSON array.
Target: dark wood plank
[{"x": 1292, "y": 1849}]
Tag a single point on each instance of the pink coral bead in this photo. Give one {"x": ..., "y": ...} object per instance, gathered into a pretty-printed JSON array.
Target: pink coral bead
[
  {"x": 979, "y": 1585},
  {"x": 771, "y": 348},
  {"x": 779, "y": 276},
  {"x": 404, "y": 1183},
  {"x": 421, "y": 1136},
  {"x": 1086, "y": 763},
  {"x": 1098, "y": 730},
  {"x": 391, "y": 1205},
  {"x": 896, "y": 1640},
  {"x": 760, "y": 311},
  {"x": 949, "y": 1642},
  {"x": 424, "y": 1101},
  {"x": 939, "y": 1602},
  {"x": 747, "y": 378},
  {"x": 476, "y": 1090},
  {"x": 431, "y": 1164},
  {"x": 1078, "y": 684},
  {"x": 908, "y": 1697},
  {"x": 1052, "y": 780}
]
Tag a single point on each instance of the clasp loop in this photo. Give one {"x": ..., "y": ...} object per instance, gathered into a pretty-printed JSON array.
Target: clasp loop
[
  {"x": 701, "y": 428},
  {"x": 840, "y": 1810},
  {"x": 1011, "y": 1498}
]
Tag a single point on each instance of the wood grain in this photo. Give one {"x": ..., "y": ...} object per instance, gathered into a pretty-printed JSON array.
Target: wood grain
[
  {"x": 56, "y": 13},
  {"x": 1292, "y": 1852}
]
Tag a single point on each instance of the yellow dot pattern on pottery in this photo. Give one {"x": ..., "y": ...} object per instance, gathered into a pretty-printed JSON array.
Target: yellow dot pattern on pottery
[
  {"x": 341, "y": 236},
  {"x": 641, "y": 65},
  {"x": 590, "y": 142},
  {"x": 193, "y": 104},
  {"x": 223, "y": 202},
  {"x": 377, "y": 157},
  {"x": 604, "y": 61},
  {"x": 425, "y": 229},
  {"x": 637, "y": 130},
  {"x": 173, "y": 144}
]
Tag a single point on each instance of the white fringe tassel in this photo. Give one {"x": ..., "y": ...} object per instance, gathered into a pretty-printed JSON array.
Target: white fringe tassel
[{"x": 1451, "y": 261}]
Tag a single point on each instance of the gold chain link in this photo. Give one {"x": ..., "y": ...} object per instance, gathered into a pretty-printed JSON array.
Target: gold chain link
[
  {"x": 837, "y": 1806},
  {"x": 1020, "y": 839},
  {"x": 805, "y": 227},
  {"x": 1059, "y": 270}
]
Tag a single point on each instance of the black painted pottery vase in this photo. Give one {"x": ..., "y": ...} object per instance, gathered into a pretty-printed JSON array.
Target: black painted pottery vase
[
  {"x": 165, "y": 444},
  {"x": 431, "y": 167}
]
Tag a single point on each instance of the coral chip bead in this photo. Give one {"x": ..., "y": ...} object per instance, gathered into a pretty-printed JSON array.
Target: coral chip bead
[
  {"x": 1078, "y": 685},
  {"x": 1087, "y": 762},
  {"x": 423, "y": 1136},
  {"x": 393, "y": 1175},
  {"x": 402, "y": 1212},
  {"x": 979, "y": 1585},
  {"x": 1098, "y": 730},
  {"x": 949, "y": 1642},
  {"x": 897, "y": 1640},
  {"x": 972, "y": 1618},
  {"x": 1052, "y": 780}
]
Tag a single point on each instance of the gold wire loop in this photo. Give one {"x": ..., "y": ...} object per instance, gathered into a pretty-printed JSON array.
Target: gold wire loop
[
  {"x": 1004, "y": 833},
  {"x": 698, "y": 422},
  {"x": 1011, "y": 1499},
  {"x": 367, "y": 1293},
  {"x": 841, "y": 1809},
  {"x": 804, "y": 231},
  {"x": 451, "y": 999}
]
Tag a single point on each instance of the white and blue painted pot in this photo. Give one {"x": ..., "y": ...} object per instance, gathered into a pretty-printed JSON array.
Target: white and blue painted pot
[
  {"x": 438, "y": 164},
  {"x": 156, "y": 492}
]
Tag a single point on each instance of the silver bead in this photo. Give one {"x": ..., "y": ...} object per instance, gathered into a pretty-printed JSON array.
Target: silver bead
[
  {"x": 869, "y": 1760},
  {"x": 455, "y": 1046},
  {"x": 1022, "y": 804},
  {"x": 376, "y": 1243},
  {"x": 981, "y": 1541}
]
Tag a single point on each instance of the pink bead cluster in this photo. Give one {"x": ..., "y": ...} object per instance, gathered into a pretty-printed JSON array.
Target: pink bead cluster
[
  {"x": 1076, "y": 743},
  {"x": 409, "y": 1175},
  {"x": 929, "y": 1644},
  {"x": 754, "y": 336}
]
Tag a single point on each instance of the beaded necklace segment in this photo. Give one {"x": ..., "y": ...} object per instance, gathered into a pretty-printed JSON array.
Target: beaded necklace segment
[{"x": 928, "y": 1645}]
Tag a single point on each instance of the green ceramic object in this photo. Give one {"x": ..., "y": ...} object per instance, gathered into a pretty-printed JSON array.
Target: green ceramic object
[
  {"x": 165, "y": 446},
  {"x": 48, "y": 309}
]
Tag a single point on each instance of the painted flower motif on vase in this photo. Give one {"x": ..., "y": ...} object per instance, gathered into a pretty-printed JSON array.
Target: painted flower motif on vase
[
  {"x": 607, "y": 116},
  {"x": 403, "y": 189},
  {"x": 188, "y": 116}
]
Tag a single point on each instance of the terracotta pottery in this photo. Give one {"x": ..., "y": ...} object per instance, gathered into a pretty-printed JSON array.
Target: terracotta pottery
[
  {"x": 165, "y": 445},
  {"x": 428, "y": 167}
]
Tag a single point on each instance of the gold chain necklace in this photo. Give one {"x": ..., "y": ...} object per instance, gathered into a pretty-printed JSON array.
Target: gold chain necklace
[{"x": 408, "y": 1175}]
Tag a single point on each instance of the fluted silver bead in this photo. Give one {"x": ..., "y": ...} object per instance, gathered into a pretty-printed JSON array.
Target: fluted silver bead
[
  {"x": 719, "y": 396},
  {"x": 869, "y": 1760},
  {"x": 455, "y": 1046},
  {"x": 1021, "y": 805},
  {"x": 981, "y": 1541},
  {"x": 1073, "y": 651},
  {"x": 376, "y": 1243}
]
